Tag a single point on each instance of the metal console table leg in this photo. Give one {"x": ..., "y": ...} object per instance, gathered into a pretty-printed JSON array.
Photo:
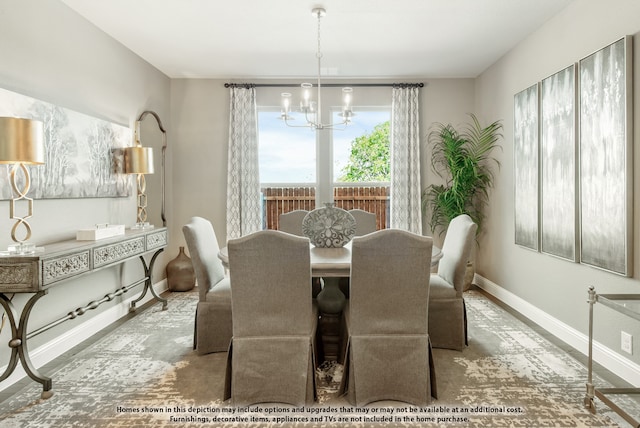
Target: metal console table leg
[
  {"x": 18, "y": 343},
  {"x": 148, "y": 283}
]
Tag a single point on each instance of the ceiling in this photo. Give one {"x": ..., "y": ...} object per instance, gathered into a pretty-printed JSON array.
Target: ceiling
[{"x": 359, "y": 38}]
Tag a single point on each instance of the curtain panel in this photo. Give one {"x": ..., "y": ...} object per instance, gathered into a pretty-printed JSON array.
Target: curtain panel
[
  {"x": 243, "y": 178},
  {"x": 405, "y": 211}
]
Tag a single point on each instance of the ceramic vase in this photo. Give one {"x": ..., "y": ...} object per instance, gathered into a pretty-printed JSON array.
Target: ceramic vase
[
  {"x": 329, "y": 226},
  {"x": 180, "y": 275}
]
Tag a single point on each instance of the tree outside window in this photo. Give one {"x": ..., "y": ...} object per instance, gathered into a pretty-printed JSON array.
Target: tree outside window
[{"x": 369, "y": 159}]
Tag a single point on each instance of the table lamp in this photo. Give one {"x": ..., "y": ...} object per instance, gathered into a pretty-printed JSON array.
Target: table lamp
[
  {"x": 21, "y": 144},
  {"x": 139, "y": 160}
]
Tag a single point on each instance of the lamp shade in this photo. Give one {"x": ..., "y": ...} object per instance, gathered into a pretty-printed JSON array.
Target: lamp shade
[
  {"x": 138, "y": 160},
  {"x": 21, "y": 141}
]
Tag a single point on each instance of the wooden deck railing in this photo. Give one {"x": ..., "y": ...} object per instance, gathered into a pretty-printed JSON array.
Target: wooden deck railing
[
  {"x": 372, "y": 199},
  {"x": 279, "y": 200}
]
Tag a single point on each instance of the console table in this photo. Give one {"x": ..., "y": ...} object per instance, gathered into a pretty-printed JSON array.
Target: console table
[
  {"x": 61, "y": 261},
  {"x": 628, "y": 304}
]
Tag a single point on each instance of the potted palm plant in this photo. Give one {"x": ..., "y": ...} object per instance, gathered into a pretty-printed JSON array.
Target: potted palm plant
[{"x": 464, "y": 159}]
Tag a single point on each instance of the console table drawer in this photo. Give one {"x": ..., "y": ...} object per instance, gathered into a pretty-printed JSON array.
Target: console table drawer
[
  {"x": 157, "y": 240},
  {"x": 19, "y": 276},
  {"x": 113, "y": 253},
  {"x": 54, "y": 270}
]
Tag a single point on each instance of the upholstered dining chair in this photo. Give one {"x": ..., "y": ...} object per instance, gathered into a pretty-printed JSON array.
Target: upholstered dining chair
[
  {"x": 447, "y": 311},
  {"x": 272, "y": 352},
  {"x": 365, "y": 224},
  {"x": 388, "y": 354},
  {"x": 365, "y": 221},
  {"x": 213, "y": 329},
  {"x": 291, "y": 222}
]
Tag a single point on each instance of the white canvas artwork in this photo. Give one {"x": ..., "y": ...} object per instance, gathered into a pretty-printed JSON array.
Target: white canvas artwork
[
  {"x": 605, "y": 158},
  {"x": 526, "y": 167},
  {"x": 558, "y": 158},
  {"x": 78, "y": 152}
]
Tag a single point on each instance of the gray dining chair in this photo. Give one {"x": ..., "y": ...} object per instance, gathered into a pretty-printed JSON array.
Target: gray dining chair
[
  {"x": 291, "y": 222},
  {"x": 213, "y": 329},
  {"x": 388, "y": 353},
  {"x": 272, "y": 352},
  {"x": 365, "y": 221},
  {"x": 447, "y": 310},
  {"x": 365, "y": 224}
]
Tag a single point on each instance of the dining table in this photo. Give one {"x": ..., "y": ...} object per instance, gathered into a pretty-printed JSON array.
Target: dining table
[{"x": 331, "y": 264}]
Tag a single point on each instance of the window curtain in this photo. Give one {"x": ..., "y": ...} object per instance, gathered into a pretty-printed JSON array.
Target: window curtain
[
  {"x": 406, "y": 191},
  {"x": 243, "y": 179}
]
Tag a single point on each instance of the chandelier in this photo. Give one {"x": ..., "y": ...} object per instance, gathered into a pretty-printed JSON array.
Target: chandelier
[{"x": 313, "y": 109}]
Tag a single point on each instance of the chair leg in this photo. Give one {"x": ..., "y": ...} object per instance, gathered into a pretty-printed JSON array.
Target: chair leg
[
  {"x": 195, "y": 330},
  {"x": 466, "y": 337},
  {"x": 432, "y": 374}
]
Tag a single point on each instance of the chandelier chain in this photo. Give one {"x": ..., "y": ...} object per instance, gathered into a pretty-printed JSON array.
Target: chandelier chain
[
  {"x": 319, "y": 93},
  {"x": 319, "y": 53}
]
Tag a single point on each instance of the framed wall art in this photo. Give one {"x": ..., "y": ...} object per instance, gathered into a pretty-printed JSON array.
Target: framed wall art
[
  {"x": 558, "y": 164},
  {"x": 526, "y": 166},
  {"x": 78, "y": 152},
  {"x": 606, "y": 158}
]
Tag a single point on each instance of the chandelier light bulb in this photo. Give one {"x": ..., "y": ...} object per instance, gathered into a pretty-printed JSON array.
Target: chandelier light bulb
[
  {"x": 306, "y": 96},
  {"x": 346, "y": 98},
  {"x": 286, "y": 103}
]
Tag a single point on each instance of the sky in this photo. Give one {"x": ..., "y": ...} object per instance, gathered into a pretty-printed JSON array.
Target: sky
[{"x": 288, "y": 155}]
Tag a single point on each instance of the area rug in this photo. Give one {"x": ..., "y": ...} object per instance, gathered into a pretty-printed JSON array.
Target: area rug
[{"x": 144, "y": 373}]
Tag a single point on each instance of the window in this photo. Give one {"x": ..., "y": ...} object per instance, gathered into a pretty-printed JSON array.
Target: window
[
  {"x": 286, "y": 155},
  {"x": 365, "y": 123},
  {"x": 301, "y": 168}
]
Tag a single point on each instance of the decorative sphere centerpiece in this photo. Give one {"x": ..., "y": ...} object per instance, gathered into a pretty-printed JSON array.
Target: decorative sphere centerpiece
[{"x": 329, "y": 226}]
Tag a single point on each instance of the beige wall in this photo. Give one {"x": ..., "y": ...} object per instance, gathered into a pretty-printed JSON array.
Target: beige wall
[
  {"x": 199, "y": 115},
  {"x": 52, "y": 54},
  {"x": 555, "y": 286}
]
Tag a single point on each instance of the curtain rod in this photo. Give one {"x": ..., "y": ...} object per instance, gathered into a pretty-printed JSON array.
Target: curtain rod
[{"x": 326, "y": 85}]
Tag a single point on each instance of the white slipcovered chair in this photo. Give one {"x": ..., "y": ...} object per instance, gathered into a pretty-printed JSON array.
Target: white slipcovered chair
[
  {"x": 272, "y": 352},
  {"x": 213, "y": 329},
  {"x": 388, "y": 353},
  {"x": 447, "y": 311},
  {"x": 365, "y": 221},
  {"x": 365, "y": 224},
  {"x": 291, "y": 222}
]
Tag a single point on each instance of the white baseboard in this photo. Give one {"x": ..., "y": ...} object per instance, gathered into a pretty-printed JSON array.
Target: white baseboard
[
  {"x": 61, "y": 344},
  {"x": 604, "y": 356}
]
